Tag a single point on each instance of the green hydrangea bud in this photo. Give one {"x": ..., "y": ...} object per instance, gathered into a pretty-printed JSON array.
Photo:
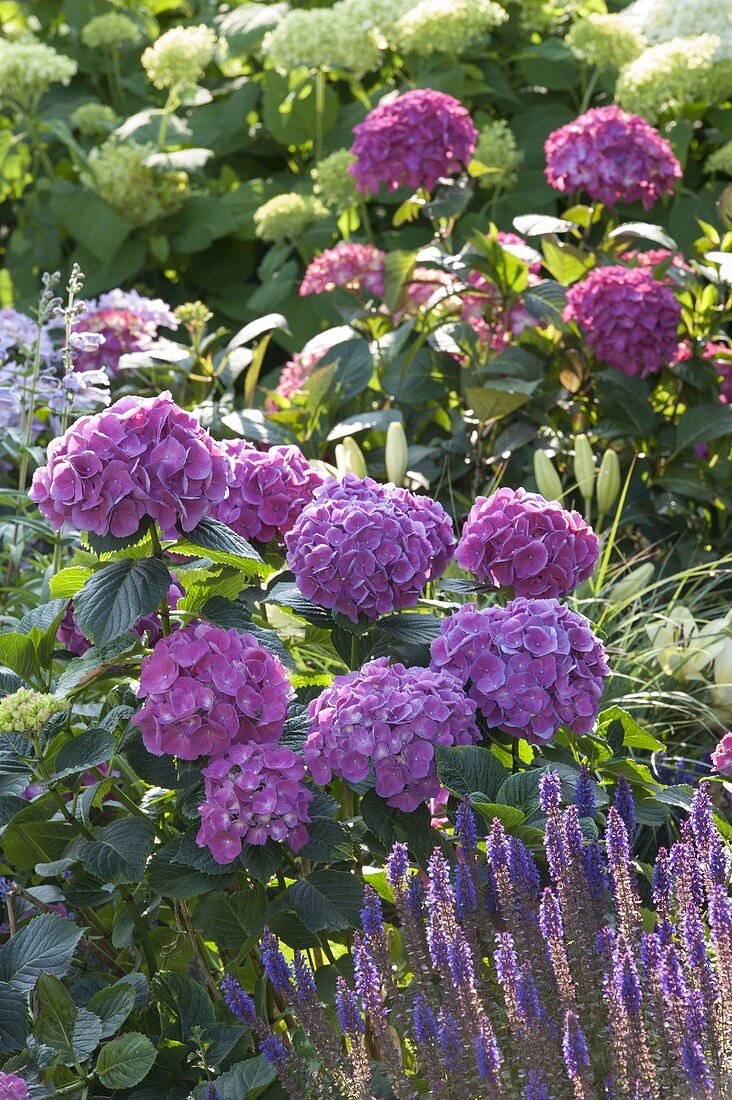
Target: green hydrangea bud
[
  {"x": 118, "y": 172},
  {"x": 605, "y": 41},
  {"x": 547, "y": 478},
  {"x": 333, "y": 183},
  {"x": 608, "y": 482},
  {"x": 584, "y": 466},
  {"x": 113, "y": 31},
  {"x": 397, "y": 452},
  {"x": 286, "y": 217},
  {"x": 194, "y": 314},
  {"x": 350, "y": 459},
  {"x": 94, "y": 119},
  {"x": 497, "y": 148},
  {"x": 27, "y": 711}
]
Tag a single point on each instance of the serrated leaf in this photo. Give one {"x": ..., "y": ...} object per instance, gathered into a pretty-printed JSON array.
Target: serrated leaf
[
  {"x": 522, "y": 790},
  {"x": 125, "y": 1061},
  {"x": 107, "y": 544},
  {"x": 112, "y": 1005},
  {"x": 702, "y": 424},
  {"x": 86, "y": 751},
  {"x": 114, "y": 598},
  {"x": 509, "y": 816},
  {"x": 120, "y": 851},
  {"x": 328, "y": 842},
  {"x": 18, "y": 653},
  {"x": 70, "y": 581},
  {"x": 44, "y": 946},
  {"x": 14, "y": 1022},
  {"x": 31, "y": 838},
  {"x": 186, "y": 1000},
  {"x": 327, "y": 901},
  {"x": 72, "y": 1032},
  {"x": 175, "y": 880},
  {"x": 467, "y": 769},
  {"x": 244, "y": 1081},
  {"x": 493, "y": 404},
  {"x": 261, "y": 861},
  {"x": 632, "y": 736},
  {"x": 223, "y": 545},
  {"x": 391, "y": 825},
  {"x": 96, "y": 660}
]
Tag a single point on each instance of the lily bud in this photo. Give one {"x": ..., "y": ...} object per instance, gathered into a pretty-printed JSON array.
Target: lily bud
[
  {"x": 349, "y": 458},
  {"x": 397, "y": 452},
  {"x": 608, "y": 482},
  {"x": 547, "y": 478},
  {"x": 584, "y": 467}
]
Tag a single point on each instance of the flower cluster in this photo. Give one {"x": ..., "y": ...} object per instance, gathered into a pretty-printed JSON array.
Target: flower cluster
[
  {"x": 722, "y": 756},
  {"x": 141, "y": 458},
  {"x": 353, "y": 266},
  {"x": 294, "y": 376},
  {"x": 207, "y": 689},
  {"x": 28, "y": 69},
  {"x": 613, "y": 156},
  {"x": 334, "y": 38},
  {"x": 269, "y": 490},
  {"x": 114, "y": 30},
  {"x": 119, "y": 173},
  {"x": 661, "y": 20},
  {"x": 531, "y": 666},
  {"x": 128, "y": 321},
  {"x": 668, "y": 77},
  {"x": 149, "y": 627},
  {"x": 720, "y": 160},
  {"x": 333, "y": 182},
  {"x": 519, "y": 540},
  {"x": 364, "y": 549},
  {"x": 287, "y": 216},
  {"x": 629, "y": 319},
  {"x": 447, "y": 26},
  {"x": 414, "y": 140},
  {"x": 497, "y": 148},
  {"x": 27, "y": 711},
  {"x": 94, "y": 119},
  {"x": 605, "y": 41},
  {"x": 392, "y": 718},
  {"x": 182, "y": 55},
  {"x": 12, "y": 1087},
  {"x": 254, "y": 794}
]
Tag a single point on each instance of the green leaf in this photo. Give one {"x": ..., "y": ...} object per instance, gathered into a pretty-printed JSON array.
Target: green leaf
[
  {"x": 289, "y": 107},
  {"x": 701, "y": 424},
  {"x": 14, "y": 1022},
  {"x": 73, "y": 1032},
  {"x": 96, "y": 660},
  {"x": 31, "y": 838},
  {"x": 90, "y": 220},
  {"x": 646, "y": 231},
  {"x": 261, "y": 861},
  {"x": 546, "y": 302},
  {"x": 509, "y": 816},
  {"x": 112, "y": 1005},
  {"x": 175, "y": 880},
  {"x": 390, "y": 825},
  {"x": 119, "y": 854},
  {"x": 125, "y": 1061},
  {"x": 353, "y": 365},
  {"x": 231, "y": 920},
  {"x": 108, "y": 544},
  {"x": 565, "y": 262},
  {"x": 94, "y": 746},
  {"x": 633, "y": 735},
  {"x": 379, "y": 420},
  {"x": 327, "y": 900},
  {"x": 18, "y": 653},
  {"x": 186, "y": 1001},
  {"x": 221, "y": 544},
  {"x": 68, "y": 582},
  {"x": 398, "y": 267},
  {"x": 522, "y": 790},
  {"x": 244, "y": 1081},
  {"x": 493, "y": 404},
  {"x": 114, "y": 598},
  {"x": 470, "y": 769},
  {"x": 328, "y": 842},
  {"x": 44, "y": 946},
  {"x": 541, "y": 225}
]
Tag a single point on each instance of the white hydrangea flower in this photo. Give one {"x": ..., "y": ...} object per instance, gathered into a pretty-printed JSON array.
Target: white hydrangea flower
[
  {"x": 333, "y": 183},
  {"x": 605, "y": 41},
  {"x": 141, "y": 194},
  {"x": 497, "y": 148},
  {"x": 662, "y": 20},
  {"x": 286, "y": 217},
  {"x": 182, "y": 55},
  {"x": 720, "y": 160},
  {"x": 113, "y": 30},
  {"x": 322, "y": 38},
  {"x": 447, "y": 26},
  {"x": 668, "y": 77},
  {"x": 29, "y": 68}
]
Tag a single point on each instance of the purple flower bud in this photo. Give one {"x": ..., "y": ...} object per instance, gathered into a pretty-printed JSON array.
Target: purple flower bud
[
  {"x": 239, "y": 1003},
  {"x": 415, "y": 897},
  {"x": 372, "y": 916},
  {"x": 550, "y": 793},
  {"x": 368, "y": 981},
  {"x": 594, "y": 868},
  {"x": 465, "y": 828},
  {"x": 448, "y": 1036},
  {"x": 584, "y": 793},
  {"x": 425, "y": 1024},
  {"x": 397, "y": 867},
  {"x": 574, "y": 1047},
  {"x": 536, "y": 1089},
  {"x": 696, "y": 1067},
  {"x": 349, "y": 1015},
  {"x": 304, "y": 979},
  {"x": 466, "y": 896},
  {"x": 274, "y": 1051},
  {"x": 275, "y": 966},
  {"x": 625, "y": 804},
  {"x": 488, "y": 1057}
]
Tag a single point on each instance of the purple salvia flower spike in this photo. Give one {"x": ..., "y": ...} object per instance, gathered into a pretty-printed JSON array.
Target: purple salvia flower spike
[
  {"x": 424, "y": 1021},
  {"x": 696, "y": 1070},
  {"x": 372, "y": 915},
  {"x": 584, "y": 793},
  {"x": 625, "y": 803},
  {"x": 576, "y": 1057},
  {"x": 550, "y": 793},
  {"x": 536, "y": 1089},
  {"x": 239, "y": 1003},
  {"x": 448, "y": 1036},
  {"x": 275, "y": 966},
  {"x": 397, "y": 867},
  {"x": 465, "y": 828},
  {"x": 349, "y": 1015}
]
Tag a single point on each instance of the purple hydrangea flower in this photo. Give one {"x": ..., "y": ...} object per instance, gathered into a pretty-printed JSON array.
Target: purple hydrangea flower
[
  {"x": 254, "y": 794},
  {"x": 207, "y": 689},
  {"x": 390, "y": 717},
  {"x": 365, "y": 549},
  {"x": 531, "y": 666},
  {"x": 413, "y": 139},
  {"x": 629, "y": 319},
  {"x": 12, "y": 1087},
  {"x": 126, "y": 321},
  {"x": 524, "y": 542},
  {"x": 269, "y": 490},
  {"x": 142, "y": 457},
  {"x": 613, "y": 157}
]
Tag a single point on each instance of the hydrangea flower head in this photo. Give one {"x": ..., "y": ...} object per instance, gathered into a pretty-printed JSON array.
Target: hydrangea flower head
[
  {"x": 672, "y": 75},
  {"x": 497, "y": 148},
  {"x": 531, "y": 666},
  {"x": 333, "y": 182},
  {"x": 412, "y": 140},
  {"x": 269, "y": 490},
  {"x": 29, "y": 68},
  {"x": 294, "y": 376},
  {"x": 113, "y": 30},
  {"x": 722, "y": 756},
  {"x": 521, "y": 541},
  {"x": 287, "y": 216},
  {"x": 141, "y": 457},
  {"x": 12, "y": 1087},
  {"x": 628, "y": 318},
  {"x": 363, "y": 549},
  {"x": 207, "y": 689},
  {"x": 447, "y": 26},
  {"x": 128, "y": 322},
  {"x": 117, "y": 171},
  {"x": 19, "y": 332},
  {"x": 323, "y": 38},
  {"x": 606, "y": 41},
  {"x": 94, "y": 119},
  {"x": 392, "y": 718},
  {"x": 27, "y": 711},
  {"x": 355, "y": 267},
  {"x": 182, "y": 55},
  {"x": 254, "y": 794},
  {"x": 613, "y": 157}
]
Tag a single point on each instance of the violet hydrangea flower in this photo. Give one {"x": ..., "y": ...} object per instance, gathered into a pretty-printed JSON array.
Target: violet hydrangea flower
[
  {"x": 349, "y": 265},
  {"x": 127, "y": 321},
  {"x": 612, "y": 156},
  {"x": 12, "y": 1087},
  {"x": 207, "y": 689},
  {"x": 519, "y": 540},
  {"x": 629, "y": 319},
  {"x": 412, "y": 139},
  {"x": 254, "y": 794},
  {"x": 531, "y": 666},
  {"x": 141, "y": 458},
  {"x": 722, "y": 756},
  {"x": 269, "y": 489},
  {"x": 390, "y": 717}
]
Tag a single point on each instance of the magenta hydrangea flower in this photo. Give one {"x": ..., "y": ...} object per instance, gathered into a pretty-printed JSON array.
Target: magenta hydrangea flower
[
  {"x": 722, "y": 756},
  {"x": 714, "y": 352},
  {"x": 143, "y": 457},
  {"x": 652, "y": 257},
  {"x": 412, "y": 140},
  {"x": 75, "y": 642},
  {"x": 269, "y": 490},
  {"x": 613, "y": 157},
  {"x": 353, "y": 266},
  {"x": 519, "y": 540},
  {"x": 254, "y": 794},
  {"x": 487, "y": 315},
  {"x": 127, "y": 321},
  {"x": 531, "y": 666},
  {"x": 518, "y": 246},
  {"x": 365, "y": 549},
  {"x": 294, "y": 376},
  {"x": 12, "y": 1087},
  {"x": 437, "y": 524},
  {"x": 392, "y": 718},
  {"x": 207, "y": 689},
  {"x": 629, "y": 319}
]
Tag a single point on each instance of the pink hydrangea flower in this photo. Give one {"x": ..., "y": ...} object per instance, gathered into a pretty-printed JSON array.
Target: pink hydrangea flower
[
  {"x": 128, "y": 322},
  {"x": 629, "y": 319},
  {"x": 350, "y": 265},
  {"x": 722, "y": 756},
  {"x": 723, "y": 367},
  {"x": 531, "y": 666},
  {"x": 519, "y": 540},
  {"x": 269, "y": 490},
  {"x": 392, "y": 718},
  {"x": 254, "y": 794},
  {"x": 613, "y": 157},
  {"x": 293, "y": 376},
  {"x": 486, "y": 313},
  {"x": 652, "y": 257},
  {"x": 143, "y": 457},
  {"x": 518, "y": 246},
  {"x": 207, "y": 689},
  {"x": 12, "y": 1087},
  {"x": 364, "y": 549},
  {"x": 413, "y": 140}
]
